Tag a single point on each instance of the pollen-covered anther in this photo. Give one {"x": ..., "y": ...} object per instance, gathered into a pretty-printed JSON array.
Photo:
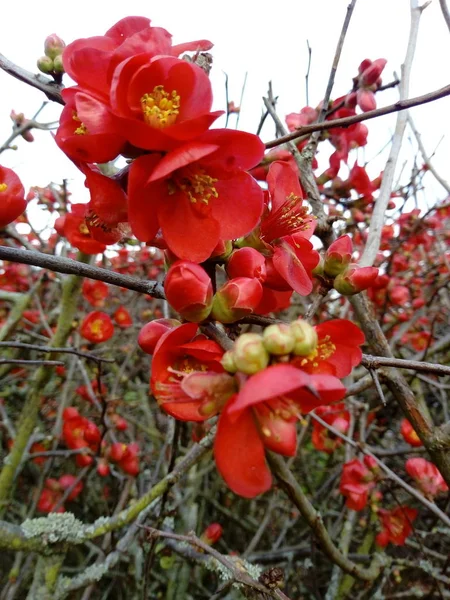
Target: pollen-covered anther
[
  {"x": 81, "y": 129},
  {"x": 160, "y": 108},
  {"x": 199, "y": 187},
  {"x": 82, "y": 228},
  {"x": 3, "y": 187},
  {"x": 326, "y": 348}
]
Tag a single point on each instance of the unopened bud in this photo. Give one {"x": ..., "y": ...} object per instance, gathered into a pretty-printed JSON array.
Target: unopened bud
[
  {"x": 250, "y": 354},
  {"x": 53, "y": 46},
  {"x": 58, "y": 66},
  {"x": 305, "y": 337},
  {"x": 228, "y": 362},
  {"x": 45, "y": 64},
  {"x": 236, "y": 299},
  {"x": 279, "y": 339},
  {"x": 338, "y": 256},
  {"x": 355, "y": 279}
]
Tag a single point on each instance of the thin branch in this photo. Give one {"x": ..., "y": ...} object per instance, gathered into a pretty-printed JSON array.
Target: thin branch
[
  {"x": 445, "y": 12},
  {"x": 313, "y": 518},
  {"x": 73, "y": 267},
  {"x": 38, "y": 348},
  {"x": 51, "y": 89},
  {"x": 375, "y": 362},
  {"x": 379, "y": 212},
  {"x": 25, "y": 362},
  {"x": 371, "y": 114}
]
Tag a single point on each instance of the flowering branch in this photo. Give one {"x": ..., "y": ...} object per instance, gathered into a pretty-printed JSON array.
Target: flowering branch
[{"x": 371, "y": 114}]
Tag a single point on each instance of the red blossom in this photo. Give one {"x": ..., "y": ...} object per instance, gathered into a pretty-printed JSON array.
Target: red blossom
[
  {"x": 427, "y": 476},
  {"x": 12, "y": 197},
  {"x": 263, "y": 415},
  {"x": 409, "y": 434},
  {"x": 73, "y": 226},
  {"x": 338, "y": 349},
  {"x": 357, "y": 481},
  {"x": 97, "y": 327},
  {"x": 336, "y": 416},
  {"x": 123, "y": 318},
  {"x": 197, "y": 194},
  {"x": 396, "y": 525}
]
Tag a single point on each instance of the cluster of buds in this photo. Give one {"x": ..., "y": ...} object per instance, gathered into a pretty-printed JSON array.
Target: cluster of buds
[
  {"x": 19, "y": 120},
  {"x": 51, "y": 63},
  {"x": 190, "y": 292},
  {"x": 366, "y": 83},
  {"x": 125, "y": 456},
  {"x": 253, "y": 352},
  {"x": 336, "y": 269}
]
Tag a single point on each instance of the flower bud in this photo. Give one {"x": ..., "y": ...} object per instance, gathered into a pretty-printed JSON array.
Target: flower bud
[
  {"x": 212, "y": 534},
  {"x": 228, "y": 362},
  {"x": 189, "y": 290},
  {"x": 53, "y": 46},
  {"x": 355, "y": 279},
  {"x": 279, "y": 339},
  {"x": 45, "y": 64},
  {"x": 338, "y": 256},
  {"x": 58, "y": 66},
  {"x": 247, "y": 262},
  {"x": 370, "y": 71},
  {"x": 305, "y": 337},
  {"x": 366, "y": 100},
  {"x": 236, "y": 299},
  {"x": 151, "y": 332},
  {"x": 250, "y": 354}
]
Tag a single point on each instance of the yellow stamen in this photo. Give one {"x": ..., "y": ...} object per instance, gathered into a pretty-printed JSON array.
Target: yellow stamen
[
  {"x": 82, "y": 228},
  {"x": 82, "y": 129},
  {"x": 3, "y": 187},
  {"x": 197, "y": 187},
  {"x": 160, "y": 108}
]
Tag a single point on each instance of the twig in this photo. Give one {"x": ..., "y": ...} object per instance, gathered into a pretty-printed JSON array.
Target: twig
[
  {"x": 73, "y": 267},
  {"x": 25, "y": 362},
  {"x": 445, "y": 12},
  {"x": 44, "y": 84},
  {"x": 374, "y": 362},
  {"x": 38, "y": 348},
  {"x": 371, "y": 114},
  {"x": 379, "y": 211}
]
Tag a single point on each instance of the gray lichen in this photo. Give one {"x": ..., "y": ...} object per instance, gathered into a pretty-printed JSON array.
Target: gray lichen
[{"x": 54, "y": 528}]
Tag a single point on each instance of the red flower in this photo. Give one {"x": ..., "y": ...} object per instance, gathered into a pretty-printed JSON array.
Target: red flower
[
  {"x": 179, "y": 356},
  {"x": 356, "y": 482},
  {"x": 409, "y": 434},
  {"x": 161, "y": 101},
  {"x": 263, "y": 415},
  {"x": 126, "y": 457},
  {"x": 97, "y": 327},
  {"x": 95, "y": 292},
  {"x": 73, "y": 227},
  {"x": 427, "y": 476},
  {"x": 12, "y": 197},
  {"x": 396, "y": 525},
  {"x": 336, "y": 416},
  {"x": 123, "y": 318},
  {"x": 79, "y": 432},
  {"x": 197, "y": 194},
  {"x": 337, "y": 351}
]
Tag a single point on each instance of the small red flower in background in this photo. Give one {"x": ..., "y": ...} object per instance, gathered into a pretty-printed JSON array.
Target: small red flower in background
[
  {"x": 263, "y": 415},
  {"x": 396, "y": 525},
  {"x": 336, "y": 416},
  {"x": 123, "y": 318},
  {"x": 53, "y": 493},
  {"x": 12, "y": 197},
  {"x": 357, "y": 480},
  {"x": 97, "y": 327},
  {"x": 95, "y": 292},
  {"x": 409, "y": 434},
  {"x": 427, "y": 476},
  {"x": 79, "y": 432},
  {"x": 337, "y": 351},
  {"x": 126, "y": 456},
  {"x": 84, "y": 392}
]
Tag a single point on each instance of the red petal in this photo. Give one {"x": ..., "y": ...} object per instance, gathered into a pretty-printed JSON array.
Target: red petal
[
  {"x": 274, "y": 381},
  {"x": 239, "y": 454},
  {"x": 182, "y": 156},
  {"x": 143, "y": 201}
]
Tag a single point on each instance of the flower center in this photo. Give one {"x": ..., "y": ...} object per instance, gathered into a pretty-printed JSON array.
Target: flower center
[
  {"x": 291, "y": 217},
  {"x": 3, "y": 187},
  {"x": 97, "y": 327},
  {"x": 160, "y": 108},
  {"x": 198, "y": 186},
  {"x": 83, "y": 229}
]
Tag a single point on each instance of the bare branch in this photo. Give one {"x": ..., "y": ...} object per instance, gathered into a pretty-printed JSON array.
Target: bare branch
[{"x": 51, "y": 89}]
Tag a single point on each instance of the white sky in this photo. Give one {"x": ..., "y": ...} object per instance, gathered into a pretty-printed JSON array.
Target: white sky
[{"x": 265, "y": 39}]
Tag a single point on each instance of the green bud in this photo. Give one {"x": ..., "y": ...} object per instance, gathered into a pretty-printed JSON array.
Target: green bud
[
  {"x": 279, "y": 339},
  {"x": 250, "y": 355},
  {"x": 305, "y": 337}
]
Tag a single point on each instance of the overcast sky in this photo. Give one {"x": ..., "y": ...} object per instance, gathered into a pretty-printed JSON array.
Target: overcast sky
[{"x": 268, "y": 40}]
